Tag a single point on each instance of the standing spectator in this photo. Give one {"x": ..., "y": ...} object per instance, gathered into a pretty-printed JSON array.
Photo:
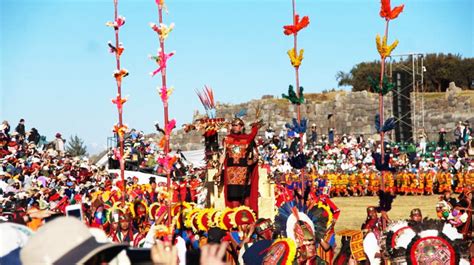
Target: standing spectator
[
  {"x": 59, "y": 144},
  {"x": 331, "y": 136},
  {"x": 20, "y": 129},
  {"x": 5, "y": 128},
  {"x": 269, "y": 133},
  {"x": 458, "y": 134},
  {"x": 314, "y": 134},
  {"x": 34, "y": 136},
  {"x": 466, "y": 133},
  {"x": 422, "y": 137},
  {"x": 441, "y": 139}
]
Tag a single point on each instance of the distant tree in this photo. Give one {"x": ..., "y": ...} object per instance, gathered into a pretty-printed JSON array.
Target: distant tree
[
  {"x": 357, "y": 77},
  {"x": 441, "y": 69},
  {"x": 343, "y": 79},
  {"x": 467, "y": 70},
  {"x": 76, "y": 147}
]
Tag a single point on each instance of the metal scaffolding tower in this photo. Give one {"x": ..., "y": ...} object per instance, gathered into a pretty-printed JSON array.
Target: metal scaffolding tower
[{"x": 409, "y": 118}]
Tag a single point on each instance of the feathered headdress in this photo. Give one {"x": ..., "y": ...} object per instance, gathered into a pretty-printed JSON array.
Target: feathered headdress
[
  {"x": 282, "y": 251},
  {"x": 207, "y": 99},
  {"x": 292, "y": 213}
]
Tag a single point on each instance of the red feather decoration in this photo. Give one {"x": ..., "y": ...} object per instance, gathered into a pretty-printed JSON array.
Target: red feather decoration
[
  {"x": 297, "y": 26},
  {"x": 387, "y": 12}
]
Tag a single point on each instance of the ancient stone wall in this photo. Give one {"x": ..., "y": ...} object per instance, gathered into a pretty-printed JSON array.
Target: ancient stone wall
[{"x": 349, "y": 112}]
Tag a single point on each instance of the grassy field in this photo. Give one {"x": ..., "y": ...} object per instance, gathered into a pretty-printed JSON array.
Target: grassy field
[{"x": 353, "y": 210}]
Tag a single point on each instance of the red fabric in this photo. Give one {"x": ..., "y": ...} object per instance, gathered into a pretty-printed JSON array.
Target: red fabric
[
  {"x": 54, "y": 197},
  {"x": 253, "y": 198}
]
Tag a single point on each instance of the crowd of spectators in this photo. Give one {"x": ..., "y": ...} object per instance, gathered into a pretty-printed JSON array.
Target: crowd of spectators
[
  {"x": 347, "y": 161},
  {"x": 39, "y": 180}
]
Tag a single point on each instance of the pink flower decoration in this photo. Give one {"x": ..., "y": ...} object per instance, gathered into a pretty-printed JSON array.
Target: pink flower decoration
[{"x": 161, "y": 60}]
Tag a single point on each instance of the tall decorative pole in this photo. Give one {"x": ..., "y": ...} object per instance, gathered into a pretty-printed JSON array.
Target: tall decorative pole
[
  {"x": 298, "y": 97},
  {"x": 119, "y": 128},
  {"x": 386, "y": 12},
  {"x": 384, "y": 50},
  {"x": 161, "y": 59}
]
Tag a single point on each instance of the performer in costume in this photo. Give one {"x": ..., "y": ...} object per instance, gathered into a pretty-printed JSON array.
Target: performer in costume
[
  {"x": 459, "y": 182},
  {"x": 239, "y": 166},
  {"x": 139, "y": 211},
  {"x": 429, "y": 183},
  {"x": 372, "y": 222},
  {"x": 372, "y": 229},
  {"x": 465, "y": 206},
  {"x": 416, "y": 216},
  {"x": 209, "y": 125},
  {"x": 124, "y": 232}
]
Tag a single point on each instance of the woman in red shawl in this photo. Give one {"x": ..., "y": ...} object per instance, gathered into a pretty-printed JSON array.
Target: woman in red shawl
[{"x": 240, "y": 167}]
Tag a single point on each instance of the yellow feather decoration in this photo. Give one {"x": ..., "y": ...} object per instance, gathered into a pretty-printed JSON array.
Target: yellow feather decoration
[
  {"x": 383, "y": 48},
  {"x": 295, "y": 58}
]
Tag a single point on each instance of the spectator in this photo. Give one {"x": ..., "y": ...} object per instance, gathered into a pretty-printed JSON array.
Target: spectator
[
  {"x": 34, "y": 136},
  {"x": 422, "y": 137},
  {"x": 441, "y": 139},
  {"x": 5, "y": 128},
  {"x": 331, "y": 136},
  {"x": 269, "y": 133},
  {"x": 458, "y": 133},
  {"x": 20, "y": 129},
  {"x": 313, "y": 135},
  {"x": 466, "y": 133},
  {"x": 59, "y": 144}
]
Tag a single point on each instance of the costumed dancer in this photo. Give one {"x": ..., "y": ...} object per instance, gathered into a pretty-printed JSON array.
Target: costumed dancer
[
  {"x": 429, "y": 183},
  {"x": 464, "y": 207},
  {"x": 459, "y": 179},
  {"x": 124, "y": 231},
  {"x": 238, "y": 166},
  {"x": 308, "y": 226},
  {"x": 139, "y": 212},
  {"x": 210, "y": 125},
  {"x": 372, "y": 228}
]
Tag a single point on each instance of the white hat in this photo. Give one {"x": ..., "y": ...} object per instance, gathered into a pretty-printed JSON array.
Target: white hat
[
  {"x": 66, "y": 240},
  {"x": 13, "y": 236}
]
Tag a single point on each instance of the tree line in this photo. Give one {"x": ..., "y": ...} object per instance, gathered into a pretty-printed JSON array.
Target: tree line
[{"x": 440, "y": 70}]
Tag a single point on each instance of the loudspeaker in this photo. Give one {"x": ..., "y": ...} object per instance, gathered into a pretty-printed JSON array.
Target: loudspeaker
[{"x": 402, "y": 107}]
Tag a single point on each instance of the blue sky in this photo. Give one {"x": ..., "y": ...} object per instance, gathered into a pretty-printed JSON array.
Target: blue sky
[{"x": 56, "y": 71}]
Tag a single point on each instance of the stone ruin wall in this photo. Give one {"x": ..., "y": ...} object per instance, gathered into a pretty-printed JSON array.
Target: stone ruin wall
[{"x": 353, "y": 113}]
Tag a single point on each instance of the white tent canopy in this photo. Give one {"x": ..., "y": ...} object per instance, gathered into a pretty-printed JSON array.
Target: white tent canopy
[
  {"x": 143, "y": 178},
  {"x": 196, "y": 158}
]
